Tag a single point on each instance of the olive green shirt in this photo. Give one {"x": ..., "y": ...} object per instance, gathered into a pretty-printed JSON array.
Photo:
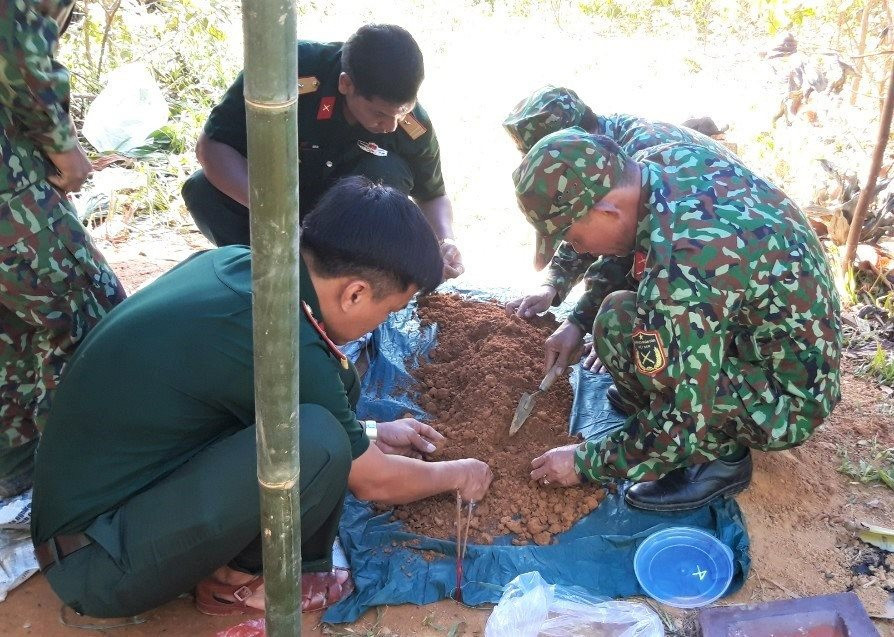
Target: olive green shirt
[
  {"x": 328, "y": 145},
  {"x": 165, "y": 374}
]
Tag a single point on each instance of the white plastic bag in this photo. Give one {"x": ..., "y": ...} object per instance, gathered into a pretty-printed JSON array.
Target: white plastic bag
[
  {"x": 127, "y": 111},
  {"x": 530, "y": 607}
]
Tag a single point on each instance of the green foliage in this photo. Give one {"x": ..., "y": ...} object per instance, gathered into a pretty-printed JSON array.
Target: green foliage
[
  {"x": 186, "y": 46},
  {"x": 609, "y": 9},
  {"x": 850, "y": 286},
  {"x": 875, "y": 464},
  {"x": 880, "y": 367}
]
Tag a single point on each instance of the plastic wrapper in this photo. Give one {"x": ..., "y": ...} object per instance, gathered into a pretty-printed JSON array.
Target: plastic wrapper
[
  {"x": 127, "y": 111},
  {"x": 17, "y": 561},
  {"x": 530, "y": 607},
  {"x": 15, "y": 512}
]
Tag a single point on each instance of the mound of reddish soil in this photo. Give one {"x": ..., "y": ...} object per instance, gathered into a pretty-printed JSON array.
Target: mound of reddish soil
[{"x": 483, "y": 362}]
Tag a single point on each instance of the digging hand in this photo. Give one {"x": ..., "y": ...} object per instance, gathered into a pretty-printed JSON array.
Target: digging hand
[
  {"x": 556, "y": 467},
  {"x": 532, "y": 304},
  {"x": 407, "y": 437},
  {"x": 591, "y": 360},
  {"x": 473, "y": 478},
  {"x": 563, "y": 347},
  {"x": 453, "y": 260}
]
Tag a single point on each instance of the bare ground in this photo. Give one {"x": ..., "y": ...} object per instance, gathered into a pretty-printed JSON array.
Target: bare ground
[{"x": 799, "y": 510}]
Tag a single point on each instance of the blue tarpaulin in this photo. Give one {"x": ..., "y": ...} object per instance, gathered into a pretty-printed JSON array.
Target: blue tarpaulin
[{"x": 387, "y": 562}]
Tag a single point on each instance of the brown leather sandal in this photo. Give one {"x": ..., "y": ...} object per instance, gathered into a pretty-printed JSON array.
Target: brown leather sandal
[
  {"x": 214, "y": 597},
  {"x": 318, "y": 591},
  {"x": 322, "y": 590}
]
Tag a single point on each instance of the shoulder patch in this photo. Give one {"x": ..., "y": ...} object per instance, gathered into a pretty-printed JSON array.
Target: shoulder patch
[
  {"x": 648, "y": 352},
  {"x": 333, "y": 348},
  {"x": 412, "y": 127},
  {"x": 308, "y": 84}
]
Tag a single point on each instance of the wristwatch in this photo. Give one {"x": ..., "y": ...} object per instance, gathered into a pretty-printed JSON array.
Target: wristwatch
[{"x": 372, "y": 429}]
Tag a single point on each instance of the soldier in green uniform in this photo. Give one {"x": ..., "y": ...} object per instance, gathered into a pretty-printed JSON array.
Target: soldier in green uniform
[
  {"x": 732, "y": 339},
  {"x": 146, "y": 481},
  {"x": 54, "y": 284},
  {"x": 358, "y": 115},
  {"x": 546, "y": 111}
]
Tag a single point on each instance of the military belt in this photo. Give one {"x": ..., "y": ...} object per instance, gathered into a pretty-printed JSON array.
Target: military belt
[{"x": 58, "y": 547}]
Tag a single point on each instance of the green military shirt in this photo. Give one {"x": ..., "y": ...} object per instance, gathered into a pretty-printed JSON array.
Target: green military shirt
[
  {"x": 34, "y": 91},
  {"x": 166, "y": 373},
  {"x": 603, "y": 275},
  {"x": 328, "y": 144},
  {"x": 733, "y": 280}
]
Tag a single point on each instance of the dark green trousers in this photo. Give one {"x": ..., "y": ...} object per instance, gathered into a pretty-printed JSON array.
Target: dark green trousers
[
  {"x": 224, "y": 222},
  {"x": 206, "y": 514}
]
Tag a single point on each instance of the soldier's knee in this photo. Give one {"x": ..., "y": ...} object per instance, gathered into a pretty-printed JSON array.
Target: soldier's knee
[
  {"x": 617, "y": 309},
  {"x": 323, "y": 442}
]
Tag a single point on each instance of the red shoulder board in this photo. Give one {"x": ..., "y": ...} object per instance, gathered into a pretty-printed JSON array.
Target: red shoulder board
[
  {"x": 322, "y": 332},
  {"x": 639, "y": 264}
]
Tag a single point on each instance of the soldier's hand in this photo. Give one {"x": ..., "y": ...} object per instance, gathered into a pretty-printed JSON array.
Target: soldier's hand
[
  {"x": 72, "y": 167},
  {"x": 473, "y": 478},
  {"x": 591, "y": 360},
  {"x": 407, "y": 437},
  {"x": 532, "y": 304},
  {"x": 453, "y": 260},
  {"x": 563, "y": 347},
  {"x": 556, "y": 467}
]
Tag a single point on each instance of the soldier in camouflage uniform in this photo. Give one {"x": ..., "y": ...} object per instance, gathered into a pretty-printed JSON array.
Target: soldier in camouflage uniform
[
  {"x": 732, "y": 339},
  {"x": 54, "y": 284},
  {"x": 548, "y": 110}
]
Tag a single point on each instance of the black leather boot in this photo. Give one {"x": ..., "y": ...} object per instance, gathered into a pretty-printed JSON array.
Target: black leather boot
[
  {"x": 615, "y": 400},
  {"x": 691, "y": 487}
]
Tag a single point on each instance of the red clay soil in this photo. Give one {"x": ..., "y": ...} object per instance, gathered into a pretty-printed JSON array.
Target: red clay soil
[{"x": 483, "y": 362}]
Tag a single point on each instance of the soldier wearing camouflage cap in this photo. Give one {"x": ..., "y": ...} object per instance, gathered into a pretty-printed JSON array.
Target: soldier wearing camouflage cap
[
  {"x": 732, "y": 340},
  {"x": 550, "y": 109},
  {"x": 54, "y": 284}
]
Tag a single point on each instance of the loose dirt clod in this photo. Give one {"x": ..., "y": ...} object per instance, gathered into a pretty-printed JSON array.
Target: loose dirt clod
[{"x": 482, "y": 363}]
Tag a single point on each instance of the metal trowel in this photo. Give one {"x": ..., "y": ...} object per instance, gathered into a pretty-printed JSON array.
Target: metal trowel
[{"x": 526, "y": 404}]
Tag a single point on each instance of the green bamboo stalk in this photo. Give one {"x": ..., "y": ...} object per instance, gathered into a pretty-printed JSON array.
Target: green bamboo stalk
[{"x": 271, "y": 100}]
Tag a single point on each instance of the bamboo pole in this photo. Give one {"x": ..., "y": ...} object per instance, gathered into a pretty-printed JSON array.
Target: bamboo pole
[
  {"x": 271, "y": 101},
  {"x": 868, "y": 191}
]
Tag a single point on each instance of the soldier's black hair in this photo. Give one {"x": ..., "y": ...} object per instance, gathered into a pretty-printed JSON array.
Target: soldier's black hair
[
  {"x": 375, "y": 232},
  {"x": 383, "y": 60}
]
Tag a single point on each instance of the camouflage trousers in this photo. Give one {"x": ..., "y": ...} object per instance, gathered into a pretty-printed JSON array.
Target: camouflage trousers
[
  {"x": 642, "y": 451},
  {"x": 54, "y": 287}
]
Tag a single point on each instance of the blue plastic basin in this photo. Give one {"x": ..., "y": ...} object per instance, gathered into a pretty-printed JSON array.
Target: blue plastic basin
[{"x": 683, "y": 567}]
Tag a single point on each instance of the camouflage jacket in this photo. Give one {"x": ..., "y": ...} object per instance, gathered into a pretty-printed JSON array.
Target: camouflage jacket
[
  {"x": 732, "y": 280},
  {"x": 607, "y": 274},
  {"x": 34, "y": 91}
]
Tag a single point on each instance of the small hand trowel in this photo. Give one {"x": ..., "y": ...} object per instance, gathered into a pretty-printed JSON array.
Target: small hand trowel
[{"x": 526, "y": 404}]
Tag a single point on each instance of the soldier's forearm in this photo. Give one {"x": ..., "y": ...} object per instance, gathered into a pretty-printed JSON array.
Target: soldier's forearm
[
  {"x": 392, "y": 479},
  {"x": 439, "y": 213},
  {"x": 225, "y": 168}
]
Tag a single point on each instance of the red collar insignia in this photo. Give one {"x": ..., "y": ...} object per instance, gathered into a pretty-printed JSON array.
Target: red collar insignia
[
  {"x": 333, "y": 348},
  {"x": 639, "y": 264}
]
